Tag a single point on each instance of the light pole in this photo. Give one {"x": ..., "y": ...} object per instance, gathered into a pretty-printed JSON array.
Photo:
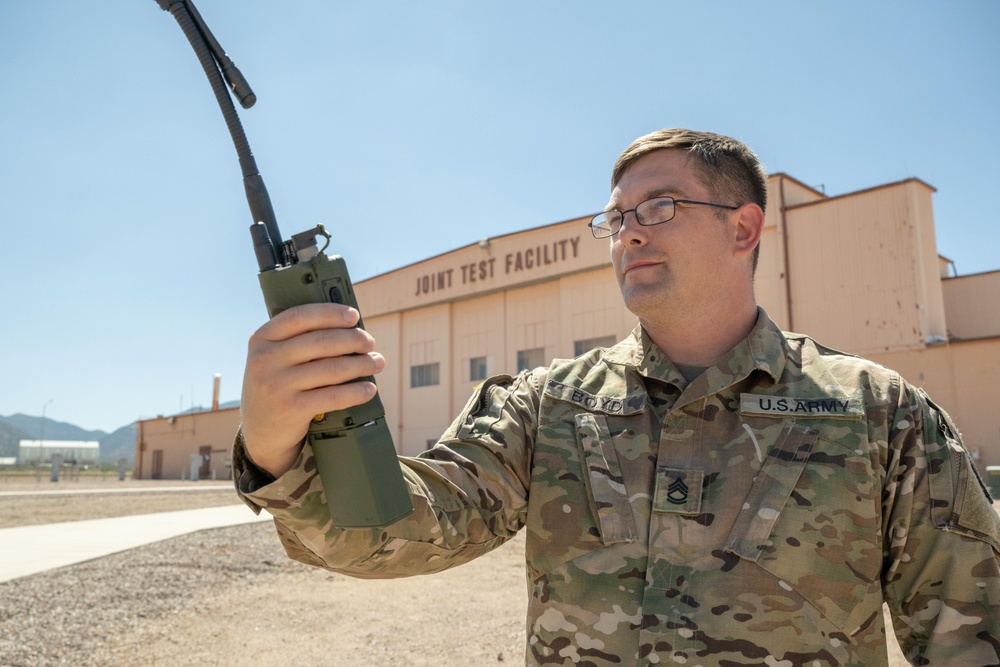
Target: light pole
[
  {"x": 41, "y": 438},
  {"x": 41, "y": 429},
  {"x": 56, "y": 458}
]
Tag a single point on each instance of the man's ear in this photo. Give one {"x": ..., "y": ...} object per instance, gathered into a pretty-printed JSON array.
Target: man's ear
[{"x": 749, "y": 227}]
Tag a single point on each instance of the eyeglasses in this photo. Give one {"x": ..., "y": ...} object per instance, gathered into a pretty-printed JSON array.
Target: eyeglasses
[{"x": 651, "y": 212}]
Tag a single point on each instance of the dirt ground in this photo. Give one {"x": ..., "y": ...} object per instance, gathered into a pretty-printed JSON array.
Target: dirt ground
[{"x": 471, "y": 615}]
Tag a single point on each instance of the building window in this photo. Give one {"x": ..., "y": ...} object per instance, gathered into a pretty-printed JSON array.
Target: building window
[
  {"x": 425, "y": 375},
  {"x": 582, "y": 346},
  {"x": 528, "y": 359},
  {"x": 477, "y": 369}
]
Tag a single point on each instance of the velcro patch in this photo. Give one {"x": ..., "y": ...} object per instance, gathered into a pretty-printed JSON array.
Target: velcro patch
[
  {"x": 611, "y": 405},
  {"x": 788, "y": 406},
  {"x": 678, "y": 491}
]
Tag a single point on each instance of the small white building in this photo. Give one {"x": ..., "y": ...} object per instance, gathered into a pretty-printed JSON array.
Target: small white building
[{"x": 74, "y": 452}]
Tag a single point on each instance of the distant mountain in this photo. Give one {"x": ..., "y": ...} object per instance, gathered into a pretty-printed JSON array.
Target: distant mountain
[
  {"x": 19, "y": 427},
  {"x": 118, "y": 444},
  {"x": 9, "y": 437},
  {"x": 53, "y": 430},
  {"x": 201, "y": 408}
]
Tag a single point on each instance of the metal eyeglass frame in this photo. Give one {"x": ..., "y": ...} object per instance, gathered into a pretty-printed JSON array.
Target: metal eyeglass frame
[{"x": 601, "y": 218}]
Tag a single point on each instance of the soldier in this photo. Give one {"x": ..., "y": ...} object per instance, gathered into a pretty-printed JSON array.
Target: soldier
[{"x": 709, "y": 491}]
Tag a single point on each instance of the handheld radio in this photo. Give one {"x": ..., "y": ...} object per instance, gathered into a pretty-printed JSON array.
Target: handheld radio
[{"x": 355, "y": 457}]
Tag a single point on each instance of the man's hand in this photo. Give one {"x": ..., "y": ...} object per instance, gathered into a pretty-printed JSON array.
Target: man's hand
[{"x": 296, "y": 366}]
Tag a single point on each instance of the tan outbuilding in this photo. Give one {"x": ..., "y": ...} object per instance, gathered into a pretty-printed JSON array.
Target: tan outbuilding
[
  {"x": 164, "y": 445},
  {"x": 859, "y": 272},
  {"x": 192, "y": 446}
]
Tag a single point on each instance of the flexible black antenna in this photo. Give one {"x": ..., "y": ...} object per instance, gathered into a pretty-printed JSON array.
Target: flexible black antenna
[
  {"x": 266, "y": 235},
  {"x": 234, "y": 77}
]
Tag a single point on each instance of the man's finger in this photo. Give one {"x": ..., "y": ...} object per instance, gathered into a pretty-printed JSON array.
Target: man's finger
[
  {"x": 308, "y": 317},
  {"x": 333, "y": 371}
]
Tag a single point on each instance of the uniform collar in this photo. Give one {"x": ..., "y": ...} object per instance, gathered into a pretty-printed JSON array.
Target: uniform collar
[{"x": 764, "y": 349}]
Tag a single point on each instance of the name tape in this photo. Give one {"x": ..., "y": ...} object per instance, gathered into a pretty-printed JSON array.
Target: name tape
[
  {"x": 607, "y": 404},
  {"x": 829, "y": 406}
]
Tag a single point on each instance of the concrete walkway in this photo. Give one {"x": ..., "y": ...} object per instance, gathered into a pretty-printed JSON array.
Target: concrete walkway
[{"x": 28, "y": 550}]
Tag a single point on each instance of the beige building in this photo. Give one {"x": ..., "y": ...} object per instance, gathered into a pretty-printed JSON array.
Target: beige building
[
  {"x": 164, "y": 446},
  {"x": 859, "y": 272},
  {"x": 192, "y": 446}
]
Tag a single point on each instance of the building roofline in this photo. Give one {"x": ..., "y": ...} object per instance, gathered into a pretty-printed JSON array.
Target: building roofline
[
  {"x": 855, "y": 193},
  {"x": 971, "y": 275},
  {"x": 781, "y": 174},
  {"x": 182, "y": 415}
]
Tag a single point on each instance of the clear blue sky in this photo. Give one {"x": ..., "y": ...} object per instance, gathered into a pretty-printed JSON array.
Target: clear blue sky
[{"x": 410, "y": 129}]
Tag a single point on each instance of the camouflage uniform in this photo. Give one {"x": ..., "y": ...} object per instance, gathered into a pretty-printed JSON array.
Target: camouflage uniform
[{"x": 758, "y": 515}]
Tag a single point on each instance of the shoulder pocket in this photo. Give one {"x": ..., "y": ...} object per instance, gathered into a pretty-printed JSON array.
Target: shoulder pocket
[
  {"x": 960, "y": 501},
  {"x": 483, "y": 409},
  {"x": 974, "y": 510}
]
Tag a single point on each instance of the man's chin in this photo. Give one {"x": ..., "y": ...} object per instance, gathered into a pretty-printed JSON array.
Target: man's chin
[{"x": 642, "y": 299}]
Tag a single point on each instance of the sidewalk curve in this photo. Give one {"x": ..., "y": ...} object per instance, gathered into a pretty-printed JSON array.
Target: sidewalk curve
[{"x": 28, "y": 550}]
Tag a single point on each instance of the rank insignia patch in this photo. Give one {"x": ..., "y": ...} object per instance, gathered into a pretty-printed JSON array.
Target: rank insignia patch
[{"x": 678, "y": 491}]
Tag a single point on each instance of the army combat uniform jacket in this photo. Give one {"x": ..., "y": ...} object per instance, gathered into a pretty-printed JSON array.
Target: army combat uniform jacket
[{"x": 758, "y": 515}]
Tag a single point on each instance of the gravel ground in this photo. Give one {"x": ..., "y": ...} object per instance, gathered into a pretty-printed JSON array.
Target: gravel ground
[{"x": 230, "y": 596}]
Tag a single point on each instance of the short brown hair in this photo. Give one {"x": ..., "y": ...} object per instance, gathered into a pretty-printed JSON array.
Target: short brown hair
[{"x": 730, "y": 171}]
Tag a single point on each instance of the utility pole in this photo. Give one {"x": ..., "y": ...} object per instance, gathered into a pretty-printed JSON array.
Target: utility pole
[{"x": 41, "y": 428}]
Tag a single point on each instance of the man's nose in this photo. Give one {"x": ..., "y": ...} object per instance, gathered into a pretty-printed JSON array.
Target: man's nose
[{"x": 631, "y": 231}]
